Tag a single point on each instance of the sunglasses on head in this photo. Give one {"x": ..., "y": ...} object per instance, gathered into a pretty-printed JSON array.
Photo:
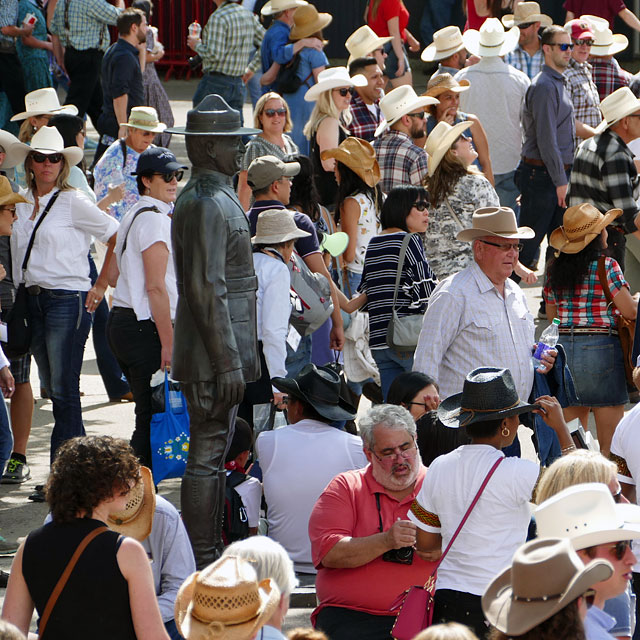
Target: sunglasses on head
[
  {"x": 582, "y": 41},
  {"x": 344, "y": 91},
  {"x": 563, "y": 47},
  {"x": 421, "y": 205},
  {"x": 53, "y": 158},
  {"x": 168, "y": 177},
  {"x": 274, "y": 112}
]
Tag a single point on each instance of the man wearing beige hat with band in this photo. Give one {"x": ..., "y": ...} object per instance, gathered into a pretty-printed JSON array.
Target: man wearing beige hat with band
[
  {"x": 447, "y": 49},
  {"x": 365, "y": 43}
]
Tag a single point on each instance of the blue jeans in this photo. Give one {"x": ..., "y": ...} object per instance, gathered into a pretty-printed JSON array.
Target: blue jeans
[
  {"x": 297, "y": 359},
  {"x": 172, "y": 630},
  {"x": 508, "y": 191},
  {"x": 61, "y": 327},
  {"x": 391, "y": 363},
  {"x": 6, "y": 437},
  {"x": 254, "y": 88},
  {"x": 231, "y": 88}
]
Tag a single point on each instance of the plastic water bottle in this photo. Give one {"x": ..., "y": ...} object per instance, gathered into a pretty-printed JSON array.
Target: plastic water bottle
[
  {"x": 195, "y": 29},
  {"x": 548, "y": 340}
]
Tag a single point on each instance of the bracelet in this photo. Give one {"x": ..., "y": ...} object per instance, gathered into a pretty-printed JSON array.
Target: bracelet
[{"x": 571, "y": 447}]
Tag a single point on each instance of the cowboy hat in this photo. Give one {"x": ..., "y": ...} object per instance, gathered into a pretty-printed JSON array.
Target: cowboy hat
[
  {"x": 11, "y": 158},
  {"x": 605, "y": 42},
  {"x": 48, "y": 140},
  {"x": 359, "y": 156},
  {"x": 595, "y": 21},
  {"x": 213, "y": 117},
  {"x": 136, "y": 519},
  {"x": 581, "y": 224},
  {"x": 145, "y": 118},
  {"x": 7, "y": 195},
  {"x": 277, "y": 225},
  {"x": 399, "y": 102},
  {"x": 42, "y": 102},
  {"x": 440, "y": 140},
  {"x": 442, "y": 82},
  {"x": 307, "y": 21},
  {"x": 225, "y": 601},
  {"x": 545, "y": 575},
  {"x": 491, "y": 40},
  {"x": 334, "y": 78},
  {"x": 276, "y": 6},
  {"x": 445, "y": 43},
  {"x": 524, "y": 13},
  {"x": 488, "y": 393},
  {"x": 588, "y": 516},
  {"x": 319, "y": 387},
  {"x": 363, "y": 41},
  {"x": 495, "y": 221},
  {"x": 617, "y": 105}
]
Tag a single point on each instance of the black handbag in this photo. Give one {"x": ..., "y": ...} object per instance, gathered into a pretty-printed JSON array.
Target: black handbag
[{"x": 287, "y": 80}]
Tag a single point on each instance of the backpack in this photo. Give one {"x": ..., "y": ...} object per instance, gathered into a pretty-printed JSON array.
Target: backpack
[
  {"x": 235, "y": 523},
  {"x": 287, "y": 80}
]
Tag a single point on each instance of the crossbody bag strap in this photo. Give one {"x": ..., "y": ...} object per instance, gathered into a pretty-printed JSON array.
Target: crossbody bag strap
[
  {"x": 135, "y": 215},
  {"x": 55, "y": 594},
  {"x": 602, "y": 276},
  {"x": 401, "y": 257},
  {"x": 123, "y": 148},
  {"x": 453, "y": 213},
  {"x": 32, "y": 239}
]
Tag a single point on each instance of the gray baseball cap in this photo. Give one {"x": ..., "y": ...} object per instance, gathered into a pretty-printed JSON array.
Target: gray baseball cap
[{"x": 265, "y": 170}]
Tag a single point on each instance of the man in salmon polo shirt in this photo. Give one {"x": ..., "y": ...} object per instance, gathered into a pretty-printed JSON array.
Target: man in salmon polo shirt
[{"x": 361, "y": 539}]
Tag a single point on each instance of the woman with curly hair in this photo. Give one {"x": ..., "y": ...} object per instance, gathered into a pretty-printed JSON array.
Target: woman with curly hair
[{"x": 109, "y": 593}]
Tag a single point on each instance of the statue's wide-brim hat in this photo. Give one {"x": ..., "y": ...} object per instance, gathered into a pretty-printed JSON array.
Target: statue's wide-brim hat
[{"x": 214, "y": 117}]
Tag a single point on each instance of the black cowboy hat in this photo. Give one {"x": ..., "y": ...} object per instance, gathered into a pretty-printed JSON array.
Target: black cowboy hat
[
  {"x": 320, "y": 388},
  {"x": 488, "y": 393}
]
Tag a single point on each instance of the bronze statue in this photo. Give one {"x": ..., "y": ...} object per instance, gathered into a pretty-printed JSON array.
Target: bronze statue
[{"x": 215, "y": 339}]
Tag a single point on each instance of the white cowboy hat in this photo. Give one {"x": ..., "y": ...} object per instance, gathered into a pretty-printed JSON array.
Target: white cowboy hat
[
  {"x": 363, "y": 41},
  {"x": 617, "y": 105},
  {"x": 595, "y": 21},
  {"x": 48, "y": 140},
  {"x": 607, "y": 43},
  {"x": 145, "y": 118},
  {"x": 42, "y": 102},
  {"x": 12, "y": 155},
  {"x": 495, "y": 221},
  {"x": 588, "y": 516},
  {"x": 399, "y": 102},
  {"x": 491, "y": 40},
  {"x": 525, "y": 12},
  {"x": 440, "y": 140},
  {"x": 334, "y": 78},
  {"x": 276, "y": 6},
  {"x": 445, "y": 43}
]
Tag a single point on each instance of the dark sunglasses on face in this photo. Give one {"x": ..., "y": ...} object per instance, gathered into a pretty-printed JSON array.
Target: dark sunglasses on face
[
  {"x": 582, "y": 41},
  {"x": 53, "y": 158},
  {"x": 421, "y": 205},
  {"x": 168, "y": 177},
  {"x": 417, "y": 114},
  {"x": 525, "y": 25},
  {"x": 563, "y": 47},
  {"x": 346, "y": 90},
  {"x": 275, "y": 112},
  {"x": 620, "y": 548}
]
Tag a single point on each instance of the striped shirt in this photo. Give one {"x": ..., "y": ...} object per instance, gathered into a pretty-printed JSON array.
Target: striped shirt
[
  {"x": 379, "y": 277},
  {"x": 82, "y": 24},
  {"x": 401, "y": 161}
]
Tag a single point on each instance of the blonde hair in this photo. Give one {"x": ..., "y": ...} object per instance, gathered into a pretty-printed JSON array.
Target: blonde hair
[
  {"x": 28, "y": 129},
  {"x": 325, "y": 107},
  {"x": 577, "y": 467},
  {"x": 62, "y": 181},
  {"x": 306, "y": 633},
  {"x": 447, "y": 631},
  {"x": 260, "y": 105}
]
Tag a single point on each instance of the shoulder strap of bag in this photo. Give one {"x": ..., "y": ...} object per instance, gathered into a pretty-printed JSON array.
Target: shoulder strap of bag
[
  {"x": 401, "y": 257},
  {"x": 123, "y": 148},
  {"x": 32, "y": 239},
  {"x": 602, "y": 276},
  {"x": 55, "y": 594},
  {"x": 452, "y": 212},
  {"x": 135, "y": 215}
]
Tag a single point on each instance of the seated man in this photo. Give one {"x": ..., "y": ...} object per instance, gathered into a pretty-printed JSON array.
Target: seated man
[{"x": 361, "y": 539}]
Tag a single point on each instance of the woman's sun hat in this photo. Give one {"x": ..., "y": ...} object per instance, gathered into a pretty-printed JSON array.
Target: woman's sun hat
[
  {"x": 48, "y": 140},
  {"x": 440, "y": 140},
  {"x": 363, "y": 41},
  {"x": 524, "y": 13},
  {"x": 12, "y": 156},
  {"x": 8, "y": 196},
  {"x": 617, "y": 105},
  {"x": 443, "y": 82},
  {"x": 225, "y": 601},
  {"x": 399, "y": 102},
  {"x": 491, "y": 40},
  {"x": 276, "y": 6},
  {"x": 605, "y": 42},
  {"x": 445, "y": 43},
  {"x": 307, "y": 21},
  {"x": 145, "y": 118},
  {"x": 42, "y": 102},
  {"x": 277, "y": 225},
  {"x": 495, "y": 221},
  {"x": 334, "y": 78},
  {"x": 359, "y": 156},
  {"x": 581, "y": 224},
  {"x": 546, "y": 575},
  {"x": 136, "y": 519}
]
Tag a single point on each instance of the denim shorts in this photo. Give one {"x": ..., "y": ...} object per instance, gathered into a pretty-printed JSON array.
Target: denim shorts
[
  {"x": 391, "y": 63},
  {"x": 597, "y": 367}
]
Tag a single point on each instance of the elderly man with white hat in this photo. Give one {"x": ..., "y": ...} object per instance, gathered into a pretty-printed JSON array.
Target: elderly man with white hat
[
  {"x": 447, "y": 49},
  {"x": 401, "y": 161}
]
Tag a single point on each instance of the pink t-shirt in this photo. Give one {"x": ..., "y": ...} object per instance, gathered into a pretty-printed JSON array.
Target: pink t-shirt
[
  {"x": 388, "y": 9},
  {"x": 607, "y": 9}
]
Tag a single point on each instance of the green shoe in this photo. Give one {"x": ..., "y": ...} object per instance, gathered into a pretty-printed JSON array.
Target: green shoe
[{"x": 16, "y": 472}]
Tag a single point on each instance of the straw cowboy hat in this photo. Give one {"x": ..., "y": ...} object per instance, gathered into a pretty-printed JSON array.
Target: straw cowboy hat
[
  {"x": 8, "y": 196},
  {"x": 48, "y": 140},
  {"x": 581, "y": 224},
  {"x": 277, "y": 225},
  {"x": 544, "y": 577},
  {"x": 491, "y": 40},
  {"x": 443, "y": 82},
  {"x": 359, "y": 156},
  {"x": 145, "y": 118},
  {"x": 334, "y": 78},
  {"x": 12, "y": 156},
  {"x": 445, "y": 43},
  {"x": 136, "y": 519},
  {"x": 587, "y": 515},
  {"x": 363, "y": 41},
  {"x": 617, "y": 105},
  {"x": 225, "y": 601},
  {"x": 276, "y": 6},
  {"x": 524, "y": 13},
  {"x": 605, "y": 42},
  {"x": 308, "y": 21},
  {"x": 488, "y": 393},
  {"x": 399, "y": 102},
  {"x": 42, "y": 102},
  {"x": 440, "y": 140},
  {"x": 495, "y": 221}
]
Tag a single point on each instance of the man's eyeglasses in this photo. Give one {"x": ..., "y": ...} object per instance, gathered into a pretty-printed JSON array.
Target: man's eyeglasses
[
  {"x": 583, "y": 41},
  {"x": 421, "y": 205},
  {"x": 563, "y": 47},
  {"x": 417, "y": 114},
  {"x": 505, "y": 246},
  {"x": 620, "y": 548},
  {"x": 53, "y": 158},
  {"x": 11, "y": 210},
  {"x": 525, "y": 25},
  {"x": 168, "y": 177},
  {"x": 270, "y": 113},
  {"x": 405, "y": 451},
  {"x": 344, "y": 91}
]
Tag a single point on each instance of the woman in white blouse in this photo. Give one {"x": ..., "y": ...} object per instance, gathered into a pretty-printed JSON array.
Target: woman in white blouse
[
  {"x": 140, "y": 327},
  {"x": 57, "y": 272}
]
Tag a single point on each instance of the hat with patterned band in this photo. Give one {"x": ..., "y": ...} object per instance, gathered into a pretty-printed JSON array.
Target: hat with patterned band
[
  {"x": 136, "y": 519},
  {"x": 145, "y": 118},
  {"x": 581, "y": 224}
]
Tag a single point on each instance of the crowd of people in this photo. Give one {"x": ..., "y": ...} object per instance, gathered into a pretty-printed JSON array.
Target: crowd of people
[{"x": 390, "y": 235}]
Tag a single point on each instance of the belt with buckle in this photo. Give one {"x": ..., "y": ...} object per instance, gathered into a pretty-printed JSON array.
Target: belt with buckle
[{"x": 587, "y": 331}]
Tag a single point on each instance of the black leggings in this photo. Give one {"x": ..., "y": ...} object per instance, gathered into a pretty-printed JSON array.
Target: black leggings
[{"x": 458, "y": 606}]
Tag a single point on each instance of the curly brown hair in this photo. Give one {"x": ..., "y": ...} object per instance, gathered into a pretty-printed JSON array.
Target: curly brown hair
[{"x": 86, "y": 471}]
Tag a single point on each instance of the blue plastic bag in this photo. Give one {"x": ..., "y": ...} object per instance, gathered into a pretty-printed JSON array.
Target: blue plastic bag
[{"x": 170, "y": 436}]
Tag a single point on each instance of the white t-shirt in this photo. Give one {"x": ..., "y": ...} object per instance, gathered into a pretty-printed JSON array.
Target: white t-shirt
[
  {"x": 298, "y": 461},
  {"x": 147, "y": 229},
  {"x": 498, "y": 523},
  {"x": 251, "y": 493}
]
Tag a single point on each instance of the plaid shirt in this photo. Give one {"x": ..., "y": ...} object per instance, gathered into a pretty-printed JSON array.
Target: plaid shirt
[
  {"x": 401, "y": 161},
  {"x": 522, "y": 61},
  {"x": 608, "y": 76},
  {"x": 230, "y": 35},
  {"x": 605, "y": 175},
  {"x": 584, "y": 94},
  {"x": 82, "y": 24},
  {"x": 363, "y": 124},
  {"x": 8, "y": 18}
]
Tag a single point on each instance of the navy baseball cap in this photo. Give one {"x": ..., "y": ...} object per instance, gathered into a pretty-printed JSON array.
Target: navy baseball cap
[{"x": 157, "y": 160}]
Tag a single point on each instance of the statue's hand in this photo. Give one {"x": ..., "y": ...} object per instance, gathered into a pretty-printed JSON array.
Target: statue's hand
[{"x": 231, "y": 387}]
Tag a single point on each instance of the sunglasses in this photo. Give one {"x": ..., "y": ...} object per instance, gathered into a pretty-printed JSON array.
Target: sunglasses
[
  {"x": 589, "y": 597},
  {"x": 525, "y": 25},
  {"x": 583, "y": 41},
  {"x": 421, "y": 205},
  {"x": 270, "y": 113},
  {"x": 617, "y": 497},
  {"x": 11, "y": 210},
  {"x": 563, "y": 47},
  {"x": 417, "y": 114},
  {"x": 53, "y": 158},
  {"x": 504, "y": 246},
  {"x": 620, "y": 548},
  {"x": 344, "y": 91},
  {"x": 168, "y": 177}
]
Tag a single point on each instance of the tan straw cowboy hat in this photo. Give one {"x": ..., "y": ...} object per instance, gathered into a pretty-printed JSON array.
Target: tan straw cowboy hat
[
  {"x": 224, "y": 601},
  {"x": 48, "y": 140},
  {"x": 545, "y": 575},
  {"x": 7, "y": 195},
  {"x": 491, "y": 40},
  {"x": 440, "y": 140},
  {"x": 359, "y": 156},
  {"x": 581, "y": 224},
  {"x": 524, "y": 13},
  {"x": 443, "y": 82},
  {"x": 334, "y": 78},
  {"x": 399, "y": 102},
  {"x": 43, "y": 102},
  {"x": 277, "y": 225},
  {"x": 145, "y": 118},
  {"x": 617, "y": 105},
  {"x": 136, "y": 519},
  {"x": 308, "y": 21},
  {"x": 445, "y": 43},
  {"x": 495, "y": 221},
  {"x": 363, "y": 41},
  {"x": 276, "y": 6}
]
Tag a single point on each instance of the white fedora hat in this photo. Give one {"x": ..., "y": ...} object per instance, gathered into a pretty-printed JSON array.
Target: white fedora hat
[
  {"x": 363, "y": 41},
  {"x": 47, "y": 140},
  {"x": 617, "y": 105},
  {"x": 334, "y": 78},
  {"x": 399, "y": 102},
  {"x": 276, "y": 6},
  {"x": 12, "y": 156},
  {"x": 491, "y": 40},
  {"x": 42, "y": 102},
  {"x": 525, "y": 12},
  {"x": 588, "y": 516},
  {"x": 440, "y": 140},
  {"x": 607, "y": 43},
  {"x": 445, "y": 43}
]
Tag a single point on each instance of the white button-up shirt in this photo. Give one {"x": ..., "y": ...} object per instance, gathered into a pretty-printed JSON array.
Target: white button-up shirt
[{"x": 468, "y": 324}]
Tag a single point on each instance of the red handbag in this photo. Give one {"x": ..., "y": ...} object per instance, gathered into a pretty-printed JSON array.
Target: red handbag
[{"x": 416, "y": 603}]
